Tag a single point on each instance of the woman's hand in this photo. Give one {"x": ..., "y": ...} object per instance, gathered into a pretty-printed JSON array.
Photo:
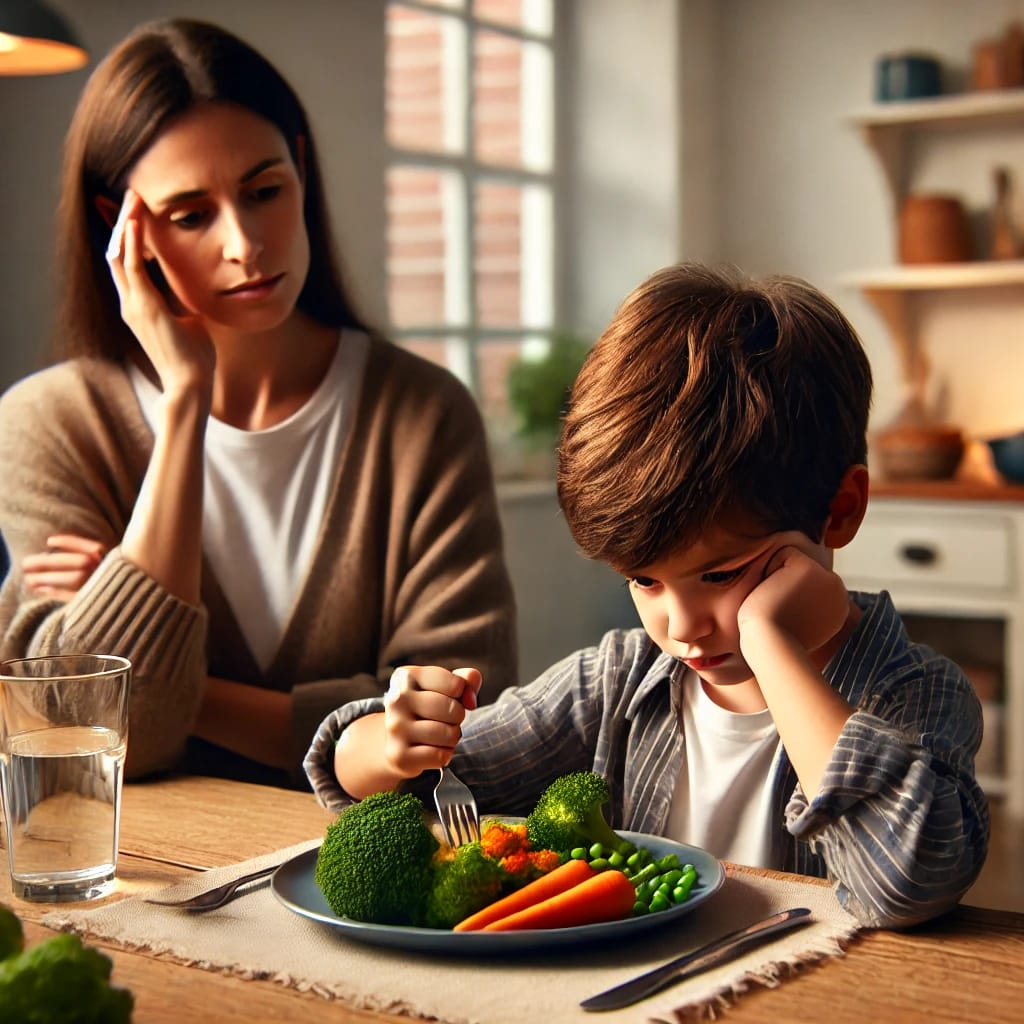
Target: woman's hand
[
  {"x": 61, "y": 570},
  {"x": 178, "y": 347},
  {"x": 424, "y": 711},
  {"x": 798, "y": 595}
]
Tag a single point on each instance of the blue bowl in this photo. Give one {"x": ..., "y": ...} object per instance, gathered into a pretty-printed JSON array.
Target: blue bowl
[{"x": 1008, "y": 455}]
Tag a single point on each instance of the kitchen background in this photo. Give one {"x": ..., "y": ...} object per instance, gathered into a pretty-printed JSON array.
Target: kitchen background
[{"x": 720, "y": 130}]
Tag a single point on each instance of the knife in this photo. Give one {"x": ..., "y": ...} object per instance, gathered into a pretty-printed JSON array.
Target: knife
[{"x": 711, "y": 955}]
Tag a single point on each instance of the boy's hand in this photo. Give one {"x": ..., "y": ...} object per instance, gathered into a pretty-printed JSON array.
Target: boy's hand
[
  {"x": 798, "y": 595},
  {"x": 61, "y": 570},
  {"x": 424, "y": 711}
]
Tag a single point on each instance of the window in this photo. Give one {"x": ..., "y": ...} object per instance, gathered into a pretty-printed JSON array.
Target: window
[{"x": 470, "y": 186}]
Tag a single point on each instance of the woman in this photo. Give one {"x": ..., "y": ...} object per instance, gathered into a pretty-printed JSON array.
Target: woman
[{"x": 244, "y": 490}]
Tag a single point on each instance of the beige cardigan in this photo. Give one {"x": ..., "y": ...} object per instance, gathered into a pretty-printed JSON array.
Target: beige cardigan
[{"x": 408, "y": 568}]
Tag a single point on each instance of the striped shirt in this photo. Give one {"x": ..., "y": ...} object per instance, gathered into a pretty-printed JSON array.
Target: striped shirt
[{"x": 899, "y": 825}]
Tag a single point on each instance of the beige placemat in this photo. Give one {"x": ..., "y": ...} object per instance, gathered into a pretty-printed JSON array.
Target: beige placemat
[{"x": 258, "y": 937}]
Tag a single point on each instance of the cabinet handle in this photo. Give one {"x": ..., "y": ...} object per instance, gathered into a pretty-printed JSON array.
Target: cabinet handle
[{"x": 919, "y": 554}]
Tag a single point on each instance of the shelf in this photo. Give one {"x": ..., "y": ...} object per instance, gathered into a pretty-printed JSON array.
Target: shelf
[
  {"x": 925, "y": 277},
  {"x": 947, "y": 490},
  {"x": 997, "y": 105}
]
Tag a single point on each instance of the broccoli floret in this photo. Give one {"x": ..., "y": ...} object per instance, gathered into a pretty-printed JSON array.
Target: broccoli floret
[
  {"x": 61, "y": 981},
  {"x": 569, "y": 815},
  {"x": 375, "y": 861},
  {"x": 463, "y": 884},
  {"x": 12, "y": 938}
]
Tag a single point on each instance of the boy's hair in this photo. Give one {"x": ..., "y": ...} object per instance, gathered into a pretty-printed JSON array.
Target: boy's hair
[
  {"x": 711, "y": 396},
  {"x": 162, "y": 70}
]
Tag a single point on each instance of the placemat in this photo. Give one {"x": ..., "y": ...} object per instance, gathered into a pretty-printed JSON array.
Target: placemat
[{"x": 257, "y": 937}]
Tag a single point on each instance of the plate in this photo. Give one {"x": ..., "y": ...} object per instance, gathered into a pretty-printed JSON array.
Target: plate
[{"x": 294, "y": 885}]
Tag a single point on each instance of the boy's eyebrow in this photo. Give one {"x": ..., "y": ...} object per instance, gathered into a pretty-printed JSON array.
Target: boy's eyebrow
[
  {"x": 743, "y": 556},
  {"x": 197, "y": 193}
]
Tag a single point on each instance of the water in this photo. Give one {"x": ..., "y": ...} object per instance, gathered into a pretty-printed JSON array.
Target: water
[{"x": 62, "y": 798}]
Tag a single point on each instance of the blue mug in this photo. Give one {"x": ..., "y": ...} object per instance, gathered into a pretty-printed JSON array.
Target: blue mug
[{"x": 907, "y": 76}]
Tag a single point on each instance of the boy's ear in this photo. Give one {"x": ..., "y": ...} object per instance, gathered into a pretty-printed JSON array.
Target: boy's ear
[
  {"x": 108, "y": 209},
  {"x": 846, "y": 511}
]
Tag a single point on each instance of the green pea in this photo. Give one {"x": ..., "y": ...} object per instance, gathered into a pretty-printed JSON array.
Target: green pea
[
  {"x": 659, "y": 901},
  {"x": 668, "y": 862},
  {"x": 640, "y": 908},
  {"x": 645, "y": 874},
  {"x": 597, "y": 850},
  {"x": 600, "y": 864},
  {"x": 636, "y": 859},
  {"x": 671, "y": 878},
  {"x": 616, "y": 860},
  {"x": 578, "y": 853},
  {"x": 626, "y": 848},
  {"x": 647, "y": 889},
  {"x": 682, "y": 891}
]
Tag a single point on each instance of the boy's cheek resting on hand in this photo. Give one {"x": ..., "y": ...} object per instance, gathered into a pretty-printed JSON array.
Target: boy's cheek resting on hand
[{"x": 798, "y": 596}]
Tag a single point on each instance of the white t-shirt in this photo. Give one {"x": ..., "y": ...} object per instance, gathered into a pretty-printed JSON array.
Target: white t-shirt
[
  {"x": 723, "y": 799},
  {"x": 265, "y": 494}
]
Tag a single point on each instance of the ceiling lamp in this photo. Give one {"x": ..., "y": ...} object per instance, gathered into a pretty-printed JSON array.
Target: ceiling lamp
[{"x": 36, "y": 40}]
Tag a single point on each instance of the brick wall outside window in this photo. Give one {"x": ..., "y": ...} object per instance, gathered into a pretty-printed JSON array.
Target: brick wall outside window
[{"x": 469, "y": 185}]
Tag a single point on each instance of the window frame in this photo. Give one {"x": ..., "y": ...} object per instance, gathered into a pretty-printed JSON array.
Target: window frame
[{"x": 466, "y": 339}]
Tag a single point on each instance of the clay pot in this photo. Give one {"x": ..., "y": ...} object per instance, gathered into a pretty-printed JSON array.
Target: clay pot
[
  {"x": 934, "y": 229},
  {"x": 920, "y": 453}
]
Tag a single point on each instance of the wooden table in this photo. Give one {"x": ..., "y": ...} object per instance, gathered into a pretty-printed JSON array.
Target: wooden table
[{"x": 966, "y": 967}]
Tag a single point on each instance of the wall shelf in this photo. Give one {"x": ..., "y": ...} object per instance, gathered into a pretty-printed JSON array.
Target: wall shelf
[
  {"x": 886, "y": 127},
  {"x": 935, "y": 276},
  {"x": 892, "y": 290},
  {"x": 943, "y": 111}
]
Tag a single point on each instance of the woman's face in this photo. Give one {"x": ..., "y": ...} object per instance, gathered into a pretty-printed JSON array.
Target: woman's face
[{"x": 224, "y": 218}]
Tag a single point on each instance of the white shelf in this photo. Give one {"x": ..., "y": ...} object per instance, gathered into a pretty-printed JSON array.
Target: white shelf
[
  {"x": 924, "y": 277},
  {"x": 1003, "y": 104}
]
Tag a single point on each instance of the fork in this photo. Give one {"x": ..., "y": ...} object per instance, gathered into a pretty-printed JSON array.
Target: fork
[
  {"x": 216, "y": 897},
  {"x": 457, "y": 809}
]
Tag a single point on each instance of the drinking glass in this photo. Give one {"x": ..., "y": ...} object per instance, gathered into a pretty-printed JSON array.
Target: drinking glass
[{"x": 63, "y": 734}]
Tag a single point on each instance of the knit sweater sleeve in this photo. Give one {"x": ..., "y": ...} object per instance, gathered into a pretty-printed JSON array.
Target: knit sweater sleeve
[
  {"x": 67, "y": 468},
  {"x": 445, "y": 593}
]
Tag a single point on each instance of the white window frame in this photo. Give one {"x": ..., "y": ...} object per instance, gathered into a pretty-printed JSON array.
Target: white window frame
[{"x": 539, "y": 276}]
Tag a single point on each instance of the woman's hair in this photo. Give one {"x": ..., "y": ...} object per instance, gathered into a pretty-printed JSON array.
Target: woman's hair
[
  {"x": 708, "y": 398},
  {"x": 160, "y": 71}
]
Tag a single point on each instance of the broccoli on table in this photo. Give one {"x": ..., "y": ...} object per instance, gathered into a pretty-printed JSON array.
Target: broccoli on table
[
  {"x": 375, "y": 861},
  {"x": 12, "y": 938},
  {"x": 61, "y": 981},
  {"x": 569, "y": 814}
]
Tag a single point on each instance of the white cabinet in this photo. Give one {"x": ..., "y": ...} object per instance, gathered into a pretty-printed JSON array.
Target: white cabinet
[{"x": 958, "y": 568}]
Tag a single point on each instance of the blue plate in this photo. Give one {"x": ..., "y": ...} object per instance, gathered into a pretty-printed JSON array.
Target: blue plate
[{"x": 293, "y": 884}]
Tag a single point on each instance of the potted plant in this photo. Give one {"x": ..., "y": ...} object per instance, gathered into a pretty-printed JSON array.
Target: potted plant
[{"x": 539, "y": 384}]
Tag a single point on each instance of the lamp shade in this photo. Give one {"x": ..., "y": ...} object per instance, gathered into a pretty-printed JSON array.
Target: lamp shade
[{"x": 36, "y": 40}]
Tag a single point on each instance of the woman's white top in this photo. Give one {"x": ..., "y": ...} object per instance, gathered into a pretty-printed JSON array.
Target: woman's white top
[
  {"x": 723, "y": 799},
  {"x": 265, "y": 494}
]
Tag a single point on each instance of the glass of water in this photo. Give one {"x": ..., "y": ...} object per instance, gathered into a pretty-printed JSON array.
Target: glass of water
[{"x": 63, "y": 733}]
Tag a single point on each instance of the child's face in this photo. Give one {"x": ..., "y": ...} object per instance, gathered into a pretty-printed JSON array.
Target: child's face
[{"x": 688, "y": 602}]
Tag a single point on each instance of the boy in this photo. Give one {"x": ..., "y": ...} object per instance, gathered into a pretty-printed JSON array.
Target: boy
[{"x": 714, "y": 454}]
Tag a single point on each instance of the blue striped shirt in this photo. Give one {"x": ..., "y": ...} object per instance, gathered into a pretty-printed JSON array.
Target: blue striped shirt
[{"x": 899, "y": 824}]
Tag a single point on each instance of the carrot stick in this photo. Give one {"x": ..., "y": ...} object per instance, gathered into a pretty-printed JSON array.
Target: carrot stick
[
  {"x": 565, "y": 876},
  {"x": 607, "y": 896}
]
